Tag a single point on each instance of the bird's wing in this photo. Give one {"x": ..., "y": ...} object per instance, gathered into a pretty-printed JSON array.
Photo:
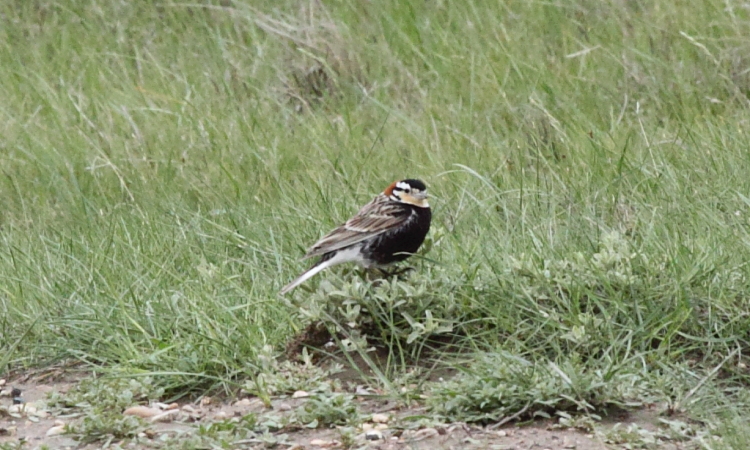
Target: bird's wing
[{"x": 378, "y": 216}]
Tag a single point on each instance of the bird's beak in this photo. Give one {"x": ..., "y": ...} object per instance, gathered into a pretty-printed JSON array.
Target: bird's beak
[{"x": 419, "y": 199}]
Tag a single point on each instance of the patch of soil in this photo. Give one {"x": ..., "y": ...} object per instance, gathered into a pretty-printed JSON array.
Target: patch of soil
[
  {"x": 391, "y": 434},
  {"x": 315, "y": 336}
]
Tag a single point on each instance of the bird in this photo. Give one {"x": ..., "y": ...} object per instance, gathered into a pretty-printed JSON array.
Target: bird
[{"x": 385, "y": 231}]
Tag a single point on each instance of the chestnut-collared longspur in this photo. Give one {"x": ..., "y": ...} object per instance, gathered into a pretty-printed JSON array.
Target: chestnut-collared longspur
[{"x": 387, "y": 230}]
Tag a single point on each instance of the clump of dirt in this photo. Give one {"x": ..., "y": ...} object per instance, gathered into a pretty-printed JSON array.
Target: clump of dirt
[{"x": 316, "y": 335}]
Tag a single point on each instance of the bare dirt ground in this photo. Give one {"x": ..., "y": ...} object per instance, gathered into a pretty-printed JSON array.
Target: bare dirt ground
[{"x": 30, "y": 424}]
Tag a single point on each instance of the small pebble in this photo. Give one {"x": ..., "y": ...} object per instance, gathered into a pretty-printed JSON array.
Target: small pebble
[
  {"x": 15, "y": 392},
  {"x": 257, "y": 403},
  {"x": 166, "y": 416},
  {"x": 141, "y": 411},
  {"x": 362, "y": 390},
  {"x": 380, "y": 418},
  {"x": 300, "y": 394},
  {"x": 206, "y": 401},
  {"x": 2, "y": 382},
  {"x": 425, "y": 433},
  {"x": 17, "y": 400},
  {"x": 373, "y": 435},
  {"x": 285, "y": 407},
  {"x": 56, "y": 430},
  {"x": 322, "y": 443},
  {"x": 243, "y": 402},
  {"x": 221, "y": 415}
]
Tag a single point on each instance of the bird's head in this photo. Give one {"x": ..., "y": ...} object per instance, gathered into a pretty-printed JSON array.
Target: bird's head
[{"x": 411, "y": 192}]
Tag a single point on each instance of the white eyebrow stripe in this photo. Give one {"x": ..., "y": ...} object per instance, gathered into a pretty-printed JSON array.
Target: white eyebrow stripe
[{"x": 403, "y": 186}]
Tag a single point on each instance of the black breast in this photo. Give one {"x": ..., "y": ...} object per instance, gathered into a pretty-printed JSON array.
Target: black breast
[{"x": 399, "y": 244}]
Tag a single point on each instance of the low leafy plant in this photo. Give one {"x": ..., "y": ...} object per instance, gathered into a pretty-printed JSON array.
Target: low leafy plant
[
  {"x": 107, "y": 393},
  {"x": 246, "y": 423},
  {"x": 328, "y": 410},
  {"x": 102, "y": 401},
  {"x": 100, "y": 425},
  {"x": 18, "y": 445},
  {"x": 400, "y": 314},
  {"x": 499, "y": 386},
  {"x": 285, "y": 377},
  {"x": 635, "y": 436}
]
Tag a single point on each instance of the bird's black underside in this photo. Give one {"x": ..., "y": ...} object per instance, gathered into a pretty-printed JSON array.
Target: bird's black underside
[
  {"x": 398, "y": 244},
  {"x": 395, "y": 245}
]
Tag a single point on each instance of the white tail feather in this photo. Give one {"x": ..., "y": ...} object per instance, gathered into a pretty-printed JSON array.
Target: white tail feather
[
  {"x": 306, "y": 275},
  {"x": 351, "y": 254}
]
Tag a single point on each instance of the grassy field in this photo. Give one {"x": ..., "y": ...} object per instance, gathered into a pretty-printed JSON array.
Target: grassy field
[{"x": 165, "y": 166}]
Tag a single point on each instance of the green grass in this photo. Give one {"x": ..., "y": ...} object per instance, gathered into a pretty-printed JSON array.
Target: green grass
[{"x": 165, "y": 166}]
